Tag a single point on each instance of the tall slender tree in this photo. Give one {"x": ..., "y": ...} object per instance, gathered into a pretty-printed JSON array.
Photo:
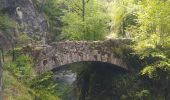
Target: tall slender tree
[
  {"x": 83, "y": 9},
  {"x": 0, "y": 79}
]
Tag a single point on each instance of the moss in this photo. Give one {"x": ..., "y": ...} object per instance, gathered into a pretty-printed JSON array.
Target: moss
[
  {"x": 121, "y": 50},
  {"x": 6, "y": 22},
  {"x": 16, "y": 51}
]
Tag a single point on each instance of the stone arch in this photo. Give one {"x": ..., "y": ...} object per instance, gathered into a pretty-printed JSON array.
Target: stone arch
[
  {"x": 68, "y": 52},
  {"x": 47, "y": 65}
]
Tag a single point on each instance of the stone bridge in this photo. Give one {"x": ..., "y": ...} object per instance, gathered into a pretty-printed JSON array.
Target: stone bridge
[{"x": 63, "y": 53}]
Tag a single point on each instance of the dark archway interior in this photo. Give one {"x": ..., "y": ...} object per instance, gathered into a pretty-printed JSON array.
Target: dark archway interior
[
  {"x": 94, "y": 80},
  {"x": 92, "y": 64}
]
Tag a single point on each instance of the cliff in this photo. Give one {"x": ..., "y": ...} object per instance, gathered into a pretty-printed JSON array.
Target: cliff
[{"x": 29, "y": 19}]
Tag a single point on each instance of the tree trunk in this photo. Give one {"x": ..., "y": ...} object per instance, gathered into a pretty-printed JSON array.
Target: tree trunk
[
  {"x": 83, "y": 9},
  {"x": 13, "y": 52},
  {"x": 0, "y": 79},
  {"x": 42, "y": 5},
  {"x": 3, "y": 57}
]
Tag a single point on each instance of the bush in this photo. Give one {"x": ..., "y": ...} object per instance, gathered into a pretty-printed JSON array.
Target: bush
[{"x": 21, "y": 68}]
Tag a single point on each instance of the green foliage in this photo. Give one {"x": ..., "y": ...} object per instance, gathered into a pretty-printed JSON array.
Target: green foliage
[
  {"x": 7, "y": 26},
  {"x": 122, "y": 50},
  {"x": 94, "y": 27},
  {"x": 34, "y": 88},
  {"x": 13, "y": 89},
  {"x": 21, "y": 68},
  {"x": 151, "y": 35},
  {"x": 122, "y": 15},
  {"x": 146, "y": 21},
  {"x": 42, "y": 81},
  {"x": 16, "y": 51},
  {"x": 143, "y": 95},
  {"x": 53, "y": 11},
  {"x": 157, "y": 71},
  {"x": 6, "y": 23},
  {"x": 23, "y": 40},
  {"x": 45, "y": 95},
  {"x": 45, "y": 87}
]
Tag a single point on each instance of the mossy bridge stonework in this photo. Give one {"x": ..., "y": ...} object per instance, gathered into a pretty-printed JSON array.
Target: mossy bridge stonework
[{"x": 58, "y": 54}]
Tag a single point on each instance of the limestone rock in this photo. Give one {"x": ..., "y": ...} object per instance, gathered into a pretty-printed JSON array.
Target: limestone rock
[{"x": 29, "y": 20}]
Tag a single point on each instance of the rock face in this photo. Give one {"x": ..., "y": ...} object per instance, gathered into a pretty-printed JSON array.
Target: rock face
[
  {"x": 63, "y": 53},
  {"x": 28, "y": 19},
  {"x": 4, "y": 42}
]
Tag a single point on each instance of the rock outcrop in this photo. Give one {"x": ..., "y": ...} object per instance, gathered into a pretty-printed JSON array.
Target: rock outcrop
[
  {"x": 4, "y": 42},
  {"x": 28, "y": 19}
]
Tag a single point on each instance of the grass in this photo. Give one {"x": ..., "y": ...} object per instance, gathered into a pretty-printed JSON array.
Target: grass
[{"x": 14, "y": 90}]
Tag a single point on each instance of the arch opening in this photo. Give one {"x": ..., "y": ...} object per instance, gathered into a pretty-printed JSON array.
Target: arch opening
[
  {"x": 86, "y": 75},
  {"x": 89, "y": 64}
]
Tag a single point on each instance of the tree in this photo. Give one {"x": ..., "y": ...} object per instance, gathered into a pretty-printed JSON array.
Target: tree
[
  {"x": 122, "y": 16},
  {"x": 1, "y": 73},
  {"x": 81, "y": 24},
  {"x": 152, "y": 43},
  {"x": 83, "y": 9},
  {"x": 52, "y": 11},
  {"x": 7, "y": 27}
]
